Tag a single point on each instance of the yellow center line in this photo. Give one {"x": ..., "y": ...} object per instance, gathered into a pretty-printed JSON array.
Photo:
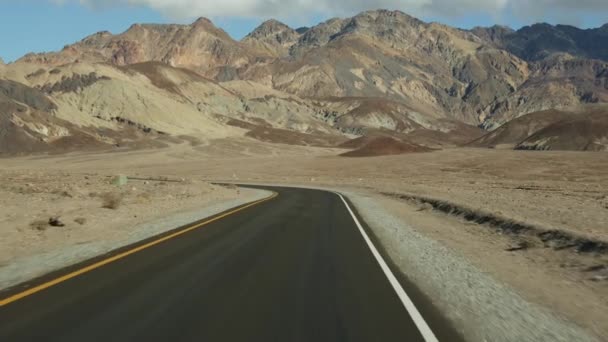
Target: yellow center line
[{"x": 122, "y": 255}]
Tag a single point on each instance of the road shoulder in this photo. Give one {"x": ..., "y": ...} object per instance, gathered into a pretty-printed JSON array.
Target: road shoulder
[
  {"x": 28, "y": 267},
  {"x": 481, "y": 307}
]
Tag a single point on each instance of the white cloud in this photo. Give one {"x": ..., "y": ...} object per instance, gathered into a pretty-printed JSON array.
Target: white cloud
[{"x": 183, "y": 9}]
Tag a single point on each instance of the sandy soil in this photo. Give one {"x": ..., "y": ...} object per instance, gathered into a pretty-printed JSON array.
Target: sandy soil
[
  {"x": 564, "y": 191},
  {"x": 51, "y": 219},
  {"x": 557, "y": 280}
]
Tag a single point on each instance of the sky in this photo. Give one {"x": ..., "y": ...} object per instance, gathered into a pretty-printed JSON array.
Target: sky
[{"x": 48, "y": 25}]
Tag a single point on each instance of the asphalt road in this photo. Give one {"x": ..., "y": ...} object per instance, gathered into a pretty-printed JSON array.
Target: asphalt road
[{"x": 293, "y": 268}]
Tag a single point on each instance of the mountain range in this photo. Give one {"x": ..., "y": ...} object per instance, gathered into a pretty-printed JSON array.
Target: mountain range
[{"x": 378, "y": 73}]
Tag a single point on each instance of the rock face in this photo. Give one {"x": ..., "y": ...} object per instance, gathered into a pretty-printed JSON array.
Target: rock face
[
  {"x": 559, "y": 81},
  {"x": 379, "y": 70},
  {"x": 272, "y": 38},
  {"x": 14, "y": 92},
  {"x": 432, "y": 69},
  {"x": 82, "y": 106},
  {"x": 200, "y": 46},
  {"x": 494, "y": 35},
  {"x": 26, "y": 121},
  {"x": 539, "y": 41}
]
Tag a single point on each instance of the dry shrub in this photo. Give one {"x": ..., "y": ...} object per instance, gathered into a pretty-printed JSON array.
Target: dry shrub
[
  {"x": 111, "y": 200},
  {"x": 56, "y": 222}
]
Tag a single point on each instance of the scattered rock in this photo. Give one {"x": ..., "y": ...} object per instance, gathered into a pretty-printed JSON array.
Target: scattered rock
[{"x": 55, "y": 222}]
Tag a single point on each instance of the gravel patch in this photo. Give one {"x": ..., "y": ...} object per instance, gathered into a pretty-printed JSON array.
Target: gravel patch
[{"x": 30, "y": 267}]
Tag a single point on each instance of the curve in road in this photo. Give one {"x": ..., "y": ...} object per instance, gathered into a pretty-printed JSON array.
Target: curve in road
[{"x": 296, "y": 267}]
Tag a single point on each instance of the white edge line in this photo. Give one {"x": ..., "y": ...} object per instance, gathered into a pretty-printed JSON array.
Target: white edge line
[{"x": 421, "y": 324}]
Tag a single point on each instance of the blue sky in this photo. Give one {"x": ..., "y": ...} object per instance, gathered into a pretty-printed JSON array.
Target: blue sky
[{"x": 47, "y": 25}]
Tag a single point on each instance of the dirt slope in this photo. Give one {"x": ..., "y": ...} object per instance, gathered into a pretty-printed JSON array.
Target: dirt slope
[{"x": 579, "y": 129}]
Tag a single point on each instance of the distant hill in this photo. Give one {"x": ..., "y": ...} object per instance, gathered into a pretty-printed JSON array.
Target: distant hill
[
  {"x": 539, "y": 41},
  {"x": 376, "y": 71},
  {"x": 580, "y": 129}
]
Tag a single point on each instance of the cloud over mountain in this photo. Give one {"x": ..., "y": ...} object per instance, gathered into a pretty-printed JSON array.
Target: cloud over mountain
[{"x": 288, "y": 8}]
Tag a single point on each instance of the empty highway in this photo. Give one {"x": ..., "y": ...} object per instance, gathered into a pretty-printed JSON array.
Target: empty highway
[{"x": 295, "y": 267}]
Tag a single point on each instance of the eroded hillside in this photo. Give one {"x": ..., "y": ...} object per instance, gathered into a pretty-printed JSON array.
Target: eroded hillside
[{"x": 379, "y": 71}]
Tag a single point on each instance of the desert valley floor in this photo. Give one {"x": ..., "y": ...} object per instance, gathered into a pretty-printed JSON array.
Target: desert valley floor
[{"x": 472, "y": 201}]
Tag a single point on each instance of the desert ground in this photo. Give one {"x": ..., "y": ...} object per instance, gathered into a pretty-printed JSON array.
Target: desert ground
[{"x": 536, "y": 221}]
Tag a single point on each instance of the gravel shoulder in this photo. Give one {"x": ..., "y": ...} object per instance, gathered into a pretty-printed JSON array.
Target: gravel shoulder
[{"x": 481, "y": 305}]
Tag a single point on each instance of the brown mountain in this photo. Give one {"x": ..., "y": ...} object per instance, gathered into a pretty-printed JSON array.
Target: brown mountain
[
  {"x": 377, "y": 71},
  {"x": 434, "y": 70},
  {"x": 27, "y": 124},
  {"x": 539, "y": 41},
  {"x": 576, "y": 129},
  {"x": 560, "y": 81},
  {"x": 200, "y": 46},
  {"x": 272, "y": 38}
]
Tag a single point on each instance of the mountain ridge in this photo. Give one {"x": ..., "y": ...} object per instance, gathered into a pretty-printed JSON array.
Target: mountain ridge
[{"x": 378, "y": 70}]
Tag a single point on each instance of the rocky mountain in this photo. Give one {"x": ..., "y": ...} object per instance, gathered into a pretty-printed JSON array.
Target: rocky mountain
[
  {"x": 272, "y": 38},
  {"x": 141, "y": 105},
  {"x": 201, "y": 47},
  {"x": 302, "y": 30},
  {"x": 575, "y": 129},
  {"x": 377, "y": 72},
  {"x": 28, "y": 125},
  {"x": 539, "y": 41},
  {"x": 432, "y": 69}
]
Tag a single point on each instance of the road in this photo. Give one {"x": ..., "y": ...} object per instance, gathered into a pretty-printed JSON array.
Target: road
[{"x": 296, "y": 267}]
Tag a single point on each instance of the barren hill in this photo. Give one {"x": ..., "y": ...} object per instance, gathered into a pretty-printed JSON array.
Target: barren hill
[
  {"x": 432, "y": 69},
  {"x": 200, "y": 46},
  {"x": 577, "y": 129},
  {"x": 346, "y": 77},
  {"x": 539, "y": 41},
  {"x": 272, "y": 38},
  {"x": 144, "y": 104}
]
